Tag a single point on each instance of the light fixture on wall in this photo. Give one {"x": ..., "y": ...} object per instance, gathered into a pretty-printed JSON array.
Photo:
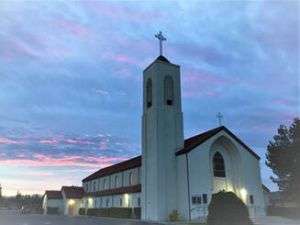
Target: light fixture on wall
[
  {"x": 244, "y": 194},
  {"x": 71, "y": 202},
  {"x": 126, "y": 198}
]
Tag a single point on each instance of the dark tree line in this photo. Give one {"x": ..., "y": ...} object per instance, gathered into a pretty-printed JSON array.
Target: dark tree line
[
  {"x": 29, "y": 203},
  {"x": 283, "y": 157}
]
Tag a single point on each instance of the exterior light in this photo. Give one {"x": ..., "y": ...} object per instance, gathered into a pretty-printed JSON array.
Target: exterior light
[
  {"x": 90, "y": 202},
  {"x": 71, "y": 202},
  {"x": 126, "y": 198},
  {"x": 244, "y": 194}
]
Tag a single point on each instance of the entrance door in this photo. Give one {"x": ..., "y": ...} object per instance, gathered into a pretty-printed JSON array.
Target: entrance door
[{"x": 71, "y": 210}]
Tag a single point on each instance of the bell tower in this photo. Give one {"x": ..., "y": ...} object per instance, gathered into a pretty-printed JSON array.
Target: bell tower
[{"x": 162, "y": 136}]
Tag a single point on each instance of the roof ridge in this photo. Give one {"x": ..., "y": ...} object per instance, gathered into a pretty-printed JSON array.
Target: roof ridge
[{"x": 123, "y": 163}]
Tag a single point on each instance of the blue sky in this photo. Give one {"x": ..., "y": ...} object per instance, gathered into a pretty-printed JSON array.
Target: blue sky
[{"x": 71, "y": 77}]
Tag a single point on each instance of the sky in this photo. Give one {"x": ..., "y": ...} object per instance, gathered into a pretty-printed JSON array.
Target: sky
[{"x": 71, "y": 79}]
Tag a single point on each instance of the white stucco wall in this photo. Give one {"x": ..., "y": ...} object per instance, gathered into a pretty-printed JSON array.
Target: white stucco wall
[
  {"x": 242, "y": 172},
  {"x": 53, "y": 203}
]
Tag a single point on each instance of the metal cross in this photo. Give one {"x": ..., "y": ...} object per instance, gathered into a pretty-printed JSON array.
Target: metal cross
[
  {"x": 220, "y": 117},
  {"x": 161, "y": 38}
]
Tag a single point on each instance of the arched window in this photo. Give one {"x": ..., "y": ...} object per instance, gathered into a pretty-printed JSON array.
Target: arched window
[
  {"x": 149, "y": 93},
  {"x": 219, "y": 165},
  {"x": 169, "y": 90}
]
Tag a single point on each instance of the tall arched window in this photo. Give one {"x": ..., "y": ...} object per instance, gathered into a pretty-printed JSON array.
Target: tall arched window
[
  {"x": 219, "y": 165},
  {"x": 169, "y": 90},
  {"x": 149, "y": 93}
]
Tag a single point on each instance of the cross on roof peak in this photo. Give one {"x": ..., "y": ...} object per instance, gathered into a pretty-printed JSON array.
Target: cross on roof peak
[
  {"x": 161, "y": 38},
  {"x": 220, "y": 118}
]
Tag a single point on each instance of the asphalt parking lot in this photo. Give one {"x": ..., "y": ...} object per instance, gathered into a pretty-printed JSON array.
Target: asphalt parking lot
[{"x": 63, "y": 220}]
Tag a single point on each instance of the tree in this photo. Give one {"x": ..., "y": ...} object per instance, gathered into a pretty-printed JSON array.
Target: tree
[{"x": 283, "y": 157}]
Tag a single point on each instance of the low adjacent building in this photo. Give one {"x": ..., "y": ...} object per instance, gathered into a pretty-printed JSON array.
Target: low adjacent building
[
  {"x": 53, "y": 202},
  {"x": 67, "y": 201}
]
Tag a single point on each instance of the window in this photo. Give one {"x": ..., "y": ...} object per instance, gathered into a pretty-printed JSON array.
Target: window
[
  {"x": 251, "y": 199},
  {"x": 104, "y": 184},
  {"x": 130, "y": 178},
  {"x": 169, "y": 90},
  {"x": 204, "y": 197},
  {"x": 219, "y": 165},
  {"x": 196, "y": 200},
  {"x": 94, "y": 186},
  {"x": 107, "y": 202},
  {"x": 116, "y": 181},
  {"x": 149, "y": 93},
  {"x": 121, "y": 202},
  {"x": 139, "y": 202}
]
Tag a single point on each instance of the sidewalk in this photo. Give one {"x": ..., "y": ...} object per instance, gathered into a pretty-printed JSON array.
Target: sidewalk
[{"x": 273, "y": 220}]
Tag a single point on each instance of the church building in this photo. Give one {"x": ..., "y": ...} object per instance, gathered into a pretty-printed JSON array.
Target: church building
[{"x": 174, "y": 173}]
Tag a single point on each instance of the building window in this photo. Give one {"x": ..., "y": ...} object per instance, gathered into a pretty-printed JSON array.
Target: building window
[
  {"x": 251, "y": 199},
  {"x": 139, "y": 202},
  {"x": 130, "y": 178},
  {"x": 107, "y": 202},
  {"x": 169, "y": 90},
  {"x": 121, "y": 202},
  {"x": 104, "y": 184},
  {"x": 149, "y": 93},
  {"x": 94, "y": 186},
  {"x": 219, "y": 165},
  {"x": 116, "y": 181},
  {"x": 204, "y": 197},
  {"x": 196, "y": 200}
]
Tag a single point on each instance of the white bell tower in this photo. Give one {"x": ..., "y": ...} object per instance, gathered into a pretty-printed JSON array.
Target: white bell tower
[{"x": 162, "y": 136}]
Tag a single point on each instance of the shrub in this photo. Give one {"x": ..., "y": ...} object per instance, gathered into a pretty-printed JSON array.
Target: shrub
[
  {"x": 226, "y": 208},
  {"x": 82, "y": 211},
  {"x": 52, "y": 211},
  {"x": 288, "y": 212},
  {"x": 116, "y": 212},
  {"x": 174, "y": 216}
]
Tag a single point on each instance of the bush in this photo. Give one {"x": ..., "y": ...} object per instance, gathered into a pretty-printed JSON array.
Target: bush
[
  {"x": 116, "y": 212},
  {"x": 82, "y": 211},
  {"x": 52, "y": 211},
  {"x": 288, "y": 212},
  {"x": 226, "y": 208},
  {"x": 174, "y": 216}
]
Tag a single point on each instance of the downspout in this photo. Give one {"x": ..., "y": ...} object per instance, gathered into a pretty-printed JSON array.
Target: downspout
[{"x": 188, "y": 183}]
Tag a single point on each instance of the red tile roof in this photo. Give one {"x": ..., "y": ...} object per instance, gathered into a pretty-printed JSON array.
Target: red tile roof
[
  {"x": 53, "y": 194},
  {"x": 126, "y": 165},
  {"x": 116, "y": 191},
  {"x": 73, "y": 192},
  {"x": 191, "y": 143}
]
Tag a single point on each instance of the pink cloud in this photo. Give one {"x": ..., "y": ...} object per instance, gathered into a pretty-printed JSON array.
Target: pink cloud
[
  {"x": 39, "y": 160},
  {"x": 118, "y": 12},
  {"x": 7, "y": 141},
  {"x": 285, "y": 102},
  {"x": 73, "y": 27},
  {"x": 202, "y": 83},
  {"x": 49, "y": 141}
]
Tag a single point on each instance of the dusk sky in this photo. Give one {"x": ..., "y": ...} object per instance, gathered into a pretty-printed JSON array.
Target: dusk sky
[{"x": 71, "y": 79}]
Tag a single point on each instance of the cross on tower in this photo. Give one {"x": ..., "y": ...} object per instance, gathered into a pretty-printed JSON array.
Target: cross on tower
[
  {"x": 220, "y": 118},
  {"x": 161, "y": 38}
]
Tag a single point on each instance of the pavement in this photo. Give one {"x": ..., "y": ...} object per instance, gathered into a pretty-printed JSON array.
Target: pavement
[
  {"x": 274, "y": 220},
  {"x": 64, "y": 220}
]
